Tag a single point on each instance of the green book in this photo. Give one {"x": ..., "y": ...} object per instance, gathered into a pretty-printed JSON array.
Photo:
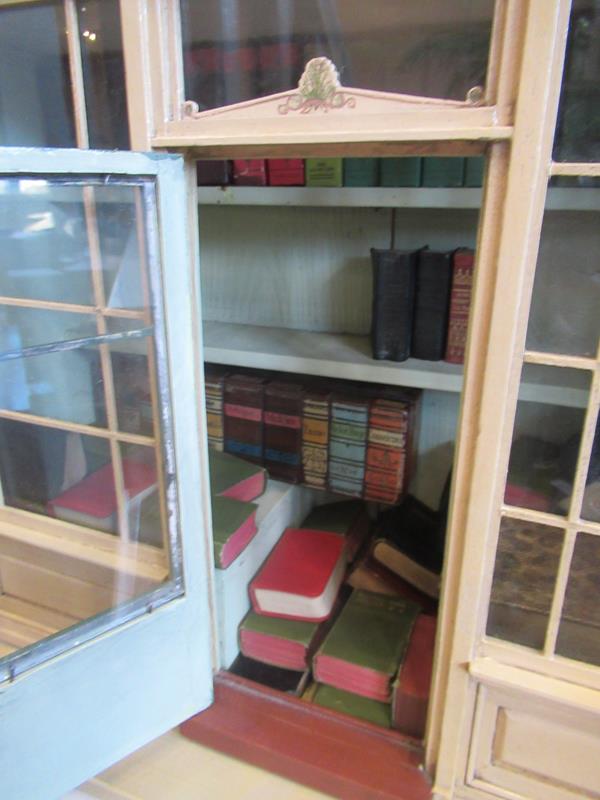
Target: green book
[
  {"x": 233, "y": 477},
  {"x": 474, "y": 171},
  {"x": 372, "y": 632},
  {"x": 234, "y": 525},
  {"x": 361, "y": 171},
  {"x": 348, "y": 518},
  {"x": 403, "y": 171},
  {"x": 353, "y": 704},
  {"x": 323, "y": 171},
  {"x": 442, "y": 171},
  {"x": 292, "y": 630}
]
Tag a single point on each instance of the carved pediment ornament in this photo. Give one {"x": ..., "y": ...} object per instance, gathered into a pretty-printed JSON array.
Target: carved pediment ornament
[{"x": 319, "y": 89}]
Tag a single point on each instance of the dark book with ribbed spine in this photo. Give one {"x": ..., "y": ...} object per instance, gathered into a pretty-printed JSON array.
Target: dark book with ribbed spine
[
  {"x": 283, "y": 430},
  {"x": 432, "y": 305},
  {"x": 393, "y": 301},
  {"x": 243, "y": 423},
  {"x": 463, "y": 265}
]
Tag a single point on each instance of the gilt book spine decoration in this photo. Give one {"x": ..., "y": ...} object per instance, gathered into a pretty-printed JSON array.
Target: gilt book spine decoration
[
  {"x": 244, "y": 417},
  {"x": 315, "y": 438},
  {"x": 393, "y": 300},
  {"x": 214, "y": 382},
  {"x": 283, "y": 431},
  {"x": 432, "y": 305},
  {"x": 460, "y": 305},
  {"x": 348, "y": 444},
  {"x": 386, "y": 451}
]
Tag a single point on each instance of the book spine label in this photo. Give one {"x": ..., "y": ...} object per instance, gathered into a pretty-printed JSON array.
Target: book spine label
[
  {"x": 315, "y": 431},
  {"x": 344, "y": 430},
  {"x": 243, "y": 412},
  {"x": 282, "y": 420},
  {"x": 243, "y": 448}
]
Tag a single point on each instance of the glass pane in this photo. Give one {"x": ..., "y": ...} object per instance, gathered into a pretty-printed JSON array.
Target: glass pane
[
  {"x": 546, "y": 435},
  {"x": 26, "y": 327},
  {"x": 578, "y": 126},
  {"x": 590, "y": 509},
  {"x": 527, "y": 561},
  {"x": 235, "y": 51},
  {"x": 144, "y": 512},
  {"x": 131, "y": 375},
  {"x": 36, "y": 108},
  {"x": 566, "y": 295},
  {"x": 45, "y": 250},
  {"x": 103, "y": 73},
  {"x": 64, "y": 385},
  {"x": 579, "y": 631}
]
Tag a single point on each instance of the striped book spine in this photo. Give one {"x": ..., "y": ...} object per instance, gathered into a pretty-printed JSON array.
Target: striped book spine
[
  {"x": 385, "y": 475},
  {"x": 213, "y": 389},
  {"x": 283, "y": 431},
  {"x": 244, "y": 418},
  {"x": 347, "y": 445},
  {"x": 315, "y": 438}
]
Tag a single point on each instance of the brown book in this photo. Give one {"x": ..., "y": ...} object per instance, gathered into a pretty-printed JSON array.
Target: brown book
[
  {"x": 463, "y": 264},
  {"x": 283, "y": 431},
  {"x": 385, "y": 475},
  {"x": 410, "y": 689},
  {"x": 243, "y": 421}
]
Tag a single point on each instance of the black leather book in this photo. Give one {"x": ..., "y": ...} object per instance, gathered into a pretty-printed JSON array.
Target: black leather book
[
  {"x": 393, "y": 301},
  {"x": 432, "y": 305}
]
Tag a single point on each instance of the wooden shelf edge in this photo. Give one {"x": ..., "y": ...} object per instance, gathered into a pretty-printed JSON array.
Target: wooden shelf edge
[{"x": 328, "y": 751}]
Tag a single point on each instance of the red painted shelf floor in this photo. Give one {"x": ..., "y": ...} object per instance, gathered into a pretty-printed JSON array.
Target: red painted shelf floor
[{"x": 331, "y": 752}]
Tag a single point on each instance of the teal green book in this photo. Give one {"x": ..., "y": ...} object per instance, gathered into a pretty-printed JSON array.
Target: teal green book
[
  {"x": 403, "y": 171},
  {"x": 231, "y": 476},
  {"x": 366, "y": 645},
  {"x": 323, "y": 172},
  {"x": 234, "y": 525},
  {"x": 440, "y": 171},
  {"x": 353, "y": 704},
  {"x": 474, "y": 166},
  {"x": 361, "y": 171}
]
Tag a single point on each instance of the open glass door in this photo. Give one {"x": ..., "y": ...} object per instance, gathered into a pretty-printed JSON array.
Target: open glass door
[{"x": 105, "y": 636}]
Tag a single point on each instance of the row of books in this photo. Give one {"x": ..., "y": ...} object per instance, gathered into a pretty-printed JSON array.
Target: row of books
[
  {"x": 369, "y": 653},
  {"x": 433, "y": 172},
  {"x": 421, "y": 304},
  {"x": 353, "y": 439}
]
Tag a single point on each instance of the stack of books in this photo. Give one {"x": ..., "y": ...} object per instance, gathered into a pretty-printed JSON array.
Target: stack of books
[{"x": 342, "y": 436}]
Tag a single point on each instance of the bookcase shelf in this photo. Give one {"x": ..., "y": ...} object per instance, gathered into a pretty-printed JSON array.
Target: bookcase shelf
[
  {"x": 348, "y": 357},
  {"x": 559, "y": 198}
]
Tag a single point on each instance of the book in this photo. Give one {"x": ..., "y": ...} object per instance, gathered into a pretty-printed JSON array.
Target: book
[
  {"x": 214, "y": 383},
  {"x": 403, "y": 171},
  {"x": 283, "y": 680},
  {"x": 348, "y": 518},
  {"x": 393, "y": 301},
  {"x": 243, "y": 416},
  {"x": 366, "y": 645},
  {"x": 285, "y": 171},
  {"x": 283, "y": 430},
  {"x": 474, "y": 170},
  {"x": 353, "y": 704},
  {"x": 361, "y": 171},
  {"x": 347, "y": 443},
  {"x": 463, "y": 263},
  {"x": 372, "y": 576},
  {"x": 315, "y": 437},
  {"x": 93, "y": 500},
  {"x": 233, "y": 526},
  {"x": 301, "y": 577},
  {"x": 282, "y": 642},
  {"x": 323, "y": 172},
  {"x": 440, "y": 171},
  {"x": 212, "y": 172},
  {"x": 410, "y": 542},
  {"x": 280, "y": 62},
  {"x": 386, "y": 458},
  {"x": 411, "y": 687},
  {"x": 433, "y": 279},
  {"x": 249, "y": 172},
  {"x": 235, "y": 478}
]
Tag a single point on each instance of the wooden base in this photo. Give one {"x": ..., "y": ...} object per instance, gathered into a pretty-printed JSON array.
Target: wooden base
[{"x": 331, "y": 752}]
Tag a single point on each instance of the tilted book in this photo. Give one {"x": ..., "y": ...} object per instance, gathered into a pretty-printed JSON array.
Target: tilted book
[
  {"x": 348, "y": 518},
  {"x": 366, "y": 644},
  {"x": 393, "y": 301},
  {"x": 233, "y": 525},
  {"x": 244, "y": 402},
  {"x": 301, "y": 577},
  {"x": 432, "y": 305},
  {"x": 410, "y": 689},
  {"x": 283, "y": 431},
  {"x": 463, "y": 264},
  {"x": 353, "y": 704},
  {"x": 273, "y": 640},
  {"x": 234, "y": 477}
]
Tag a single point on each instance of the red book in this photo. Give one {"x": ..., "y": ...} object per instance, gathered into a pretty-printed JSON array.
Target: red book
[
  {"x": 251, "y": 172},
  {"x": 410, "y": 690},
  {"x": 93, "y": 500},
  {"x": 286, "y": 171},
  {"x": 463, "y": 264},
  {"x": 301, "y": 577}
]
